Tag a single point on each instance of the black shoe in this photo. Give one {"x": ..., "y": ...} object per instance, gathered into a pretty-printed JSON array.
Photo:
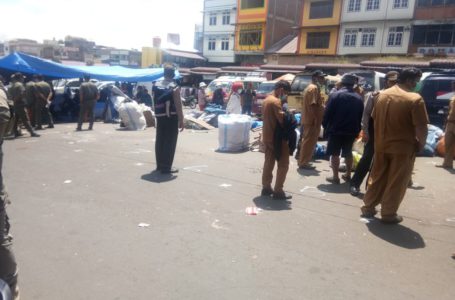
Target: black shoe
[
  {"x": 281, "y": 196},
  {"x": 18, "y": 135},
  {"x": 90, "y": 128},
  {"x": 393, "y": 220},
  {"x": 170, "y": 171},
  {"x": 266, "y": 192},
  {"x": 307, "y": 167},
  {"x": 333, "y": 180},
  {"x": 50, "y": 126},
  {"x": 355, "y": 191},
  {"x": 78, "y": 129},
  {"x": 34, "y": 134},
  {"x": 39, "y": 128}
]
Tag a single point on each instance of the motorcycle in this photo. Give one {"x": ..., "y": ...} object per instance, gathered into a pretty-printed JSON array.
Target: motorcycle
[{"x": 189, "y": 101}]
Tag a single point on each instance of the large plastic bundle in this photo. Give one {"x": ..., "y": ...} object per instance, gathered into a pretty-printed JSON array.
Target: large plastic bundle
[
  {"x": 132, "y": 116},
  {"x": 234, "y": 132}
]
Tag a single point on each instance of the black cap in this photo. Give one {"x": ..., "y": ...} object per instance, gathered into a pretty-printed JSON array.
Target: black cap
[
  {"x": 318, "y": 73},
  {"x": 349, "y": 79}
]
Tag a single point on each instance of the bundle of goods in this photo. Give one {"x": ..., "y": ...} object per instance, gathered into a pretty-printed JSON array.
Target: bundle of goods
[{"x": 234, "y": 132}]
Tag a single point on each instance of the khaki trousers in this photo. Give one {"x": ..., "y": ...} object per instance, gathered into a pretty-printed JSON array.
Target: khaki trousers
[
  {"x": 449, "y": 139},
  {"x": 269, "y": 164},
  {"x": 389, "y": 180},
  {"x": 310, "y": 138}
]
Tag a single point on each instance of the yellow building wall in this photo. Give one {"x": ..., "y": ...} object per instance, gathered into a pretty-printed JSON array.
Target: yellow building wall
[
  {"x": 334, "y": 20},
  {"x": 251, "y": 15},
  {"x": 151, "y": 56},
  {"x": 240, "y": 27},
  {"x": 332, "y": 44}
]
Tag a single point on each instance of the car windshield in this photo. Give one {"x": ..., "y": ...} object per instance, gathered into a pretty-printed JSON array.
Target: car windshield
[
  {"x": 300, "y": 82},
  {"x": 266, "y": 88},
  {"x": 435, "y": 88}
]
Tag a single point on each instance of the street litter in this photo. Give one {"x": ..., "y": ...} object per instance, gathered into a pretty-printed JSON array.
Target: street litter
[
  {"x": 67, "y": 181},
  {"x": 365, "y": 220},
  {"x": 225, "y": 185},
  {"x": 252, "y": 210},
  {"x": 143, "y": 225}
]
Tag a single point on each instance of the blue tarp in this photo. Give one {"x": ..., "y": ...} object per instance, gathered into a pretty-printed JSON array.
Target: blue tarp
[{"x": 27, "y": 64}]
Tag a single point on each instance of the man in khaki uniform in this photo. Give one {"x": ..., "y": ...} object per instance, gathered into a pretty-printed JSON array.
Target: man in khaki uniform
[
  {"x": 400, "y": 131},
  {"x": 43, "y": 94},
  {"x": 449, "y": 138},
  {"x": 273, "y": 116},
  {"x": 88, "y": 94},
  {"x": 312, "y": 113},
  {"x": 17, "y": 92}
]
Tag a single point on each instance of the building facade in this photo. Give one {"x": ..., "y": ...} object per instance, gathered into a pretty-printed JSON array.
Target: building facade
[
  {"x": 261, "y": 24},
  {"x": 433, "y": 30},
  {"x": 319, "y": 27},
  {"x": 379, "y": 27},
  {"x": 218, "y": 31},
  {"x": 26, "y": 46}
]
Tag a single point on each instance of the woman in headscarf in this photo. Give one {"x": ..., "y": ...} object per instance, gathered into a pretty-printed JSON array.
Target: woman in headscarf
[{"x": 234, "y": 105}]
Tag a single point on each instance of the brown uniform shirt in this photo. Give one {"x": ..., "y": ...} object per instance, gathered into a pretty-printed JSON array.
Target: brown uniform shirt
[
  {"x": 451, "y": 117},
  {"x": 396, "y": 114},
  {"x": 88, "y": 91},
  {"x": 272, "y": 114},
  {"x": 312, "y": 99}
]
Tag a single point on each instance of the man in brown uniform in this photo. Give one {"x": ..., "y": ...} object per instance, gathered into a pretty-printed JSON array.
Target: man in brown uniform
[
  {"x": 400, "y": 130},
  {"x": 449, "y": 138},
  {"x": 88, "y": 94},
  {"x": 273, "y": 116},
  {"x": 43, "y": 94},
  {"x": 312, "y": 113},
  {"x": 17, "y": 92}
]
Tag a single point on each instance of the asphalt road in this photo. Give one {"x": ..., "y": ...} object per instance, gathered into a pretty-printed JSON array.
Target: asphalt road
[{"x": 79, "y": 198}]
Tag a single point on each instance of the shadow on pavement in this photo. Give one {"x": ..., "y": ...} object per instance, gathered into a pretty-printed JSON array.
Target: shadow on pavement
[
  {"x": 398, "y": 235},
  {"x": 267, "y": 203},
  {"x": 342, "y": 188},
  {"x": 158, "y": 177},
  {"x": 306, "y": 172}
]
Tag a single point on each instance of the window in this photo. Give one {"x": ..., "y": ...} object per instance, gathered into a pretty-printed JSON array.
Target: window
[
  {"x": 400, "y": 4},
  {"x": 373, "y": 4},
  {"x": 431, "y": 35},
  {"x": 212, "y": 44},
  {"x": 225, "y": 44},
  {"x": 212, "y": 20},
  {"x": 321, "y": 9},
  {"x": 227, "y": 18},
  {"x": 250, "y": 37},
  {"x": 354, "y": 5},
  {"x": 245, "y": 4},
  {"x": 395, "y": 36},
  {"x": 350, "y": 37},
  {"x": 318, "y": 40},
  {"x": 368, "y": 37}
]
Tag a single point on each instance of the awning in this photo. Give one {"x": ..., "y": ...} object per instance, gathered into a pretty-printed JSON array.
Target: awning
[{"x": 27, "y": 64}]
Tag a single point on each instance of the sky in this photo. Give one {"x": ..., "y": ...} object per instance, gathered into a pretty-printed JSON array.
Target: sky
[{"x": 129, "y": 24}]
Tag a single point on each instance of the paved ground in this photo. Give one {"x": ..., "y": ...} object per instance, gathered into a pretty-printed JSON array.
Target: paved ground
[{"x": 78, "y": 198}]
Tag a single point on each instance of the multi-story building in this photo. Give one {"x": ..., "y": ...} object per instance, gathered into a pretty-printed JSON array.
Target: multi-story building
[
  {"x": 23, "y": 45},
  {"x": 433, "y": 31},
  {"x": 261, "y": 24},
  {"x": 378, "y": 27},
  {"x": 319, "y": 27},
  {"x": 198, "y": 38},
  {"x": 218, "y": 24}
]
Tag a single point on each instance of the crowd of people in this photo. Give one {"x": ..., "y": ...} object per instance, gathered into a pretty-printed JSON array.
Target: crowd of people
[{"x": 394, "y": 123}]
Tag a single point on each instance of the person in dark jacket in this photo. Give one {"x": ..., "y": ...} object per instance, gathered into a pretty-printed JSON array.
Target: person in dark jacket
[{"x": 342, "y": 123}]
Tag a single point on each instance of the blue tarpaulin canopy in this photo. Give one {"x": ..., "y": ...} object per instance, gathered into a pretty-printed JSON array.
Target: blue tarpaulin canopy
[{"x": 27, "y": 64}]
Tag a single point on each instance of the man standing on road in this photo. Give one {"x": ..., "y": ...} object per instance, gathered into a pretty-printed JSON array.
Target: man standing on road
[
  {"x": 43, "y": 94},
  {"x": 312, "y": 113},
  {"x": 167, "y": 127},
  {"x": 247, "y": 98},
  {"x": 17, "y": 92},
  {"x": 273, "y": 117},
  {"x": 342, "y": 122},
  {"x": 8, "y": 266},
  {"x": 368, "y": 135},
  {"x": 88, "y": 94},
  {"x": 449, "y": 138},
  {"x": 400, "y": 121}
]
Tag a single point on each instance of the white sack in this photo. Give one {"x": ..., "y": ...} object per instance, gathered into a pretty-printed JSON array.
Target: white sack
[{"x": 234, "y": 132}]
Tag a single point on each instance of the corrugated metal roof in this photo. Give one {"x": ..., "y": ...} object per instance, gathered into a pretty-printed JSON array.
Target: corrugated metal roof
[
  {"x": 289, "y": 48},
  {"x": 184, "y": 54},
  {"x": 331, "y": 65},
  {"x": 397, "y": 64},
  {"x": 284, "y": 68}
]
